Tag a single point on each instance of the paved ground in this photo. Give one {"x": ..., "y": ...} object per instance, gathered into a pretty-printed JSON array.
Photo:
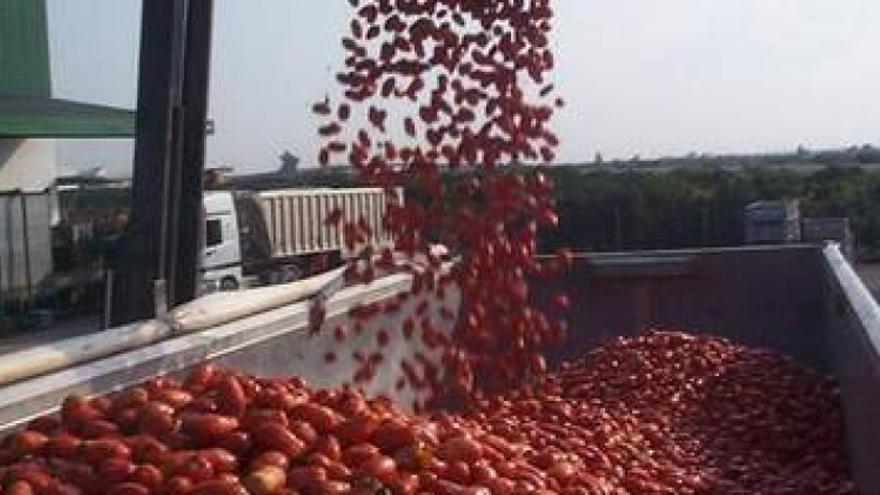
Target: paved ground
[{"x": 60, "y": 331}]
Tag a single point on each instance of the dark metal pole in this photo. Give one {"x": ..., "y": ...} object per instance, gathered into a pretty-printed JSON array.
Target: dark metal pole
[
  {"x": 159, "y": 89},
  {"x": 26, "y": 239},
  {"x": 2, "y": 295},
  {"x": 163, "y": 240},
  {"x": 189, "y": 221},
  {"x": 10, "y": 246},
  {"x": 2, "y": 269},
  {"x": 172, "y": 208}
]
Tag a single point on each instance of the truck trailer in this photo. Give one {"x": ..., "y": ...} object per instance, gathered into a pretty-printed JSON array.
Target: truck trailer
[{"x": 268, "y": 237}]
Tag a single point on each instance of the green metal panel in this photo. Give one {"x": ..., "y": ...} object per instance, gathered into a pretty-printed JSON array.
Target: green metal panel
[
  {"x": 24, "y": 48},
  {"x": 37, "y": 117}
]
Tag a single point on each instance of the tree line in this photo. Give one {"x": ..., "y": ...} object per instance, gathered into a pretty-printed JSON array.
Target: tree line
[{"x": 602, "y": 211}]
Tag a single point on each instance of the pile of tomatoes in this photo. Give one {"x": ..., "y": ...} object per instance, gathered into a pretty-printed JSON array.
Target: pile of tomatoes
[
  {"x": 662, "y": 413},
  {"x": 673, "y": 413}
]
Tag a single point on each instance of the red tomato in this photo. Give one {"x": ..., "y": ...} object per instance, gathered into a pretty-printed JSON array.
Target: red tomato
[
  {"x": 307, "y": 478},
  {"x": 96, "y": 451},
  {"x": 266, "y": 480},
  {"x": 232, "y": 400},
  {"x": 146, "y": 448},
  {"x": 201, "y": 378},
  {"x": 255, "y": 416},
  {"x": 27, "y": 443},
  {"x": 322, "y": 419},
  {"x": 394, "y": 434},
  {"x": 179, "y": 485},
  {"x": 175, "y": 398},
  {"x": 273, "y": 436},
  {"x": 19, "y": 488},
  {"x": 129, "y": 489},
  {"x": 116, "y": 470},
  {"x": 98, "y": 428},
  {"x": 270, "y": 458},
  {"x": 358, "y": 454},
  {"x": 63, "y": 445},
  {"x": 357, "y": 429},
  {"x": 77, "y": 409},
  {"x": 460, "y": 449},
  {"x": 149, "y": 476},
  {"x": 207, "y": 426},
  {"x": 218, "y": 487},
  {"x": 381, "y": 467},
  {"x": 304, "y": 432},
  {"x": 237, "y": 442},
  {"x": 221, "y": 460},
  {"x": 329, "y": 446},
  {"x": 156, "y": 418},
  {"x": 46, "y": 425}
]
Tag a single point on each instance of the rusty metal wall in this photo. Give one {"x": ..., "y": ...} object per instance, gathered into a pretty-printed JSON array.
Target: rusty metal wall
[{"x": 761, "y": 296}]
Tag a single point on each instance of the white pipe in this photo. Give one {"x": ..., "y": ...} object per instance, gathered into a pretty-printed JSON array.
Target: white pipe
[
  {"x": 222, "y": 307},
  {"x": 206, "y": 312},
  {"x": 63, "y": 353}
]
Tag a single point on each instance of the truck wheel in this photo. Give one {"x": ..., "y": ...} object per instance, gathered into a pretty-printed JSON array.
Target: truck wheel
[{"x": 229, "y": 284}]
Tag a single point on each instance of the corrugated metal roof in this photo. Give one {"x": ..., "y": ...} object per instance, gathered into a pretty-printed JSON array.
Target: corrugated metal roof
[{"x": 33, "y": 117}]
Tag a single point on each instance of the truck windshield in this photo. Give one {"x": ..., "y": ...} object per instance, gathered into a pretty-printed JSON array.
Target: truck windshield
[{"x": 213, "y": 233}]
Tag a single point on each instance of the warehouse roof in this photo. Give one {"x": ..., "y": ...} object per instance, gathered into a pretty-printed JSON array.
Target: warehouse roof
[{"x": 40, "y": 117}]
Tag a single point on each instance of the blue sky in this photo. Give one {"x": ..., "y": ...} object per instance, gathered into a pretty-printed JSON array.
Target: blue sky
[{"x": 647, "y": 77}]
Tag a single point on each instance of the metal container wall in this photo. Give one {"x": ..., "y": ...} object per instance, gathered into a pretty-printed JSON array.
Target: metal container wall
[
  {"x": 761, "y": 296},
  {"x": 853, "y": 328},
  {"x": 804, "y": 301},
  {"x": 272, "y": 343}
]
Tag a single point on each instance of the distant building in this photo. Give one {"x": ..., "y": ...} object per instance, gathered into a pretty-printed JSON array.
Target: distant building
[
  {"x": 773, "y": 222},
  {"x": 30, "y": 123},
  {"x": 216, "y": 177}
]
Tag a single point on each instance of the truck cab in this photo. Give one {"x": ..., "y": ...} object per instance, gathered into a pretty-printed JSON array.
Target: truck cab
[
  {"x": 237, "y": 251},
  {"x": 221, "y": 257}
]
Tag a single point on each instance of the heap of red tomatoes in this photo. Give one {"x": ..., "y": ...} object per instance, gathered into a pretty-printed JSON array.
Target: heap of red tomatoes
[{"x": 663, "y": 413}]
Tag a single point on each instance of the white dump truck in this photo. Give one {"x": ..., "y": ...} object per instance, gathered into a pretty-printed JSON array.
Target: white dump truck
[{"x": 254, "y": 238}]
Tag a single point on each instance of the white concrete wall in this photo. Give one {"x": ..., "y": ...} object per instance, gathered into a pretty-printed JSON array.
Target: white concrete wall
[
  {"x": 27, "y": 164},
  {"x": 23, "y": 260}
]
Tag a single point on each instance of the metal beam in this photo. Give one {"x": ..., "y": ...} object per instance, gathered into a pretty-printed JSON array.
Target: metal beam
[
  {"x": 157, "y": 159},
  {"x": 189, "y": 221}
]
